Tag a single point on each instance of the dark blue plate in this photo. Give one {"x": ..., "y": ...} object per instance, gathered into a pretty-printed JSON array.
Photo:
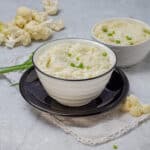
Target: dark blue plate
[{"x": 34, "y": 93}]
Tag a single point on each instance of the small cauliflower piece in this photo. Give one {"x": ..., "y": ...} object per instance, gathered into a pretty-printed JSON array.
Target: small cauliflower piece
[
  {"x": 134, "y": 101},
  {"x": 7, "y": 29},
  {"x": 39, "y": 16},
  {"x": 134, "y": 107},
  {"x": 136, "y": 111},
  {"x": 146, "y": 108},
  {"x": 24, "y": 39},
  {"x": 50, "y": 6},
  {"x": 20, "y": 21},
  {"x": 57, "y": 25},
  {"x": 129, "y": 102},
  {"x": 125, "y": 107},
  {"x": 17, "y": 36},
  {"x": 38, "y": 31},
  {"x": 25, "y": 12},
  {"x": 10, "y": 42}
]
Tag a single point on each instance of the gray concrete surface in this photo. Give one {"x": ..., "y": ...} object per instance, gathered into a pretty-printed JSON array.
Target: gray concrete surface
[{"x": 20, "y": 127}]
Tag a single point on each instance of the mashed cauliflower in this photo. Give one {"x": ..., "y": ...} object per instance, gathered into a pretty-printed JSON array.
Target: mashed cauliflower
[
  {"x": 74, "y": 60},
  {"x": 122, "y": 32}
]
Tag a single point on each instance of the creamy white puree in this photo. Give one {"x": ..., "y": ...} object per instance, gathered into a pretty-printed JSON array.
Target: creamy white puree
[
  {"x": 122, "y": 32},
  {"x": 74, "y": 60}
]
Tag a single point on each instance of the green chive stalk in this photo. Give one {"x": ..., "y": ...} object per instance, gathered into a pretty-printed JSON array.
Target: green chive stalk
[{"x": 25, "y": 65}]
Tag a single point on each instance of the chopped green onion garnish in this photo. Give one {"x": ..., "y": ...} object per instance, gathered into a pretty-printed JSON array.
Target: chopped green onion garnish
[
  {"x": 77, "y": 58},
  {"x": 115, "y": 147},
  {"x": 146, "y": 31},
  {"x": 80, "y": 66},
  {"x": 118, "y": 41},
  {"x": 69, "y": 54},
  {"x": 128, "y": 38},
  {"x": 72, "y": 65},
  {"x": 104, "y": 54},
  {"x": 104, "y": 29},
  {"x": 131, "y": 43},
  {"x": 111, "y": 33}
]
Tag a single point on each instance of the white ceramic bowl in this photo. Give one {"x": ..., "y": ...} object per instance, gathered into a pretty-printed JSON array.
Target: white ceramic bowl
[
  {"x": 73, "y": 92},
  {"x": 127, "y": 55}
]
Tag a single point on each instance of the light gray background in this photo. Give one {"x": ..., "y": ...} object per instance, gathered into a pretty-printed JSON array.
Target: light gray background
[{"x": 21, "y": 128}]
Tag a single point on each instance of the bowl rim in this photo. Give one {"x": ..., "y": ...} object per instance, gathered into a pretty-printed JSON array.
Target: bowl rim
[
  {"x": 118, "y": 18},
  {"x": 70, "y": 38}
]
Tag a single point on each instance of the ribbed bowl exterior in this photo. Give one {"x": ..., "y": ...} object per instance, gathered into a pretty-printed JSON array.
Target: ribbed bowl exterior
[{"x": 74, "y": 93}]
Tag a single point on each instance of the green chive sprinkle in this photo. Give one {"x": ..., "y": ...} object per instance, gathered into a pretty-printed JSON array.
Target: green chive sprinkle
[
  {"x": 128, "y": 37},
  {"x": 111, "y": 33},
  {"x": 104, "y": 54},
  {"x": 104, "y": 29},
  {"x": 72, "y": 65},
  {"x": 146, "y": 31},
  {"x": 115, "y": 147},
  {"x": 131, "y": 43},
  {"x": 69, "y": 54},
  {"x": 81, "y": 66},
  {"x": 77, "y": 58},
  {"x": 118, "y": 41}
]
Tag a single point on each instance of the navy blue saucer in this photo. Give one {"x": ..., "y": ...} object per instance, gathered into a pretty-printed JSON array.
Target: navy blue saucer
[{"x": 34, "y": 93}]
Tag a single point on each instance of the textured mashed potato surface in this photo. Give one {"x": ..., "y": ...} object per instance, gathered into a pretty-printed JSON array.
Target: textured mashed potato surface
[
  {"x": 122, "y": 32},
  {"x": 74, "y": 60}
]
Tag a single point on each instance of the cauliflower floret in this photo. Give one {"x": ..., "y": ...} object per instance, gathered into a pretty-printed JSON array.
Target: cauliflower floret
[
  {"x": 129, "y": 102},
  {"x": 10, "y": 42},
  {"x": 39, "y": 16},
  {"x": 125, "y": 107},
  {"x": 146, "y": 109},
  {"x": 57, "y": 25},
  {"x": 25, "y": 12},
  {"x": 133, "y": 106},
  {"x": 24, "y": 39},
  {"x": 136, "y": 111},
  {"x": 50, "y": 6},
  {"x": 17, "y": 36},
  {"x": 20, "y": 21},
  {"x": 2, "y": 38},
  {"x": 38, "y": 31},
  {"x": 30, "y": 24}
]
